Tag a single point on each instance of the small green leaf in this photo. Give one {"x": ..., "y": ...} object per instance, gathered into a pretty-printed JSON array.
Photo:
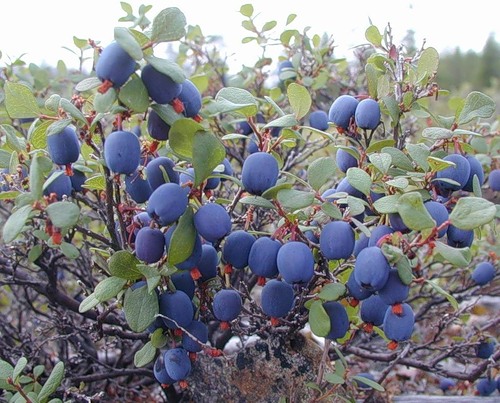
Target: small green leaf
[
  {"x": 319, "y": 319},
  {"x": 208, "y": 153},
  {"x": 283, "y": 121},
  {"x": 447, "y": 295},
  {"x": 331, "y": 210},
  {"x": 5, "y": 369},
  {"x": 381, "y": 161},
  {"x": 104, "y": 102},
  {"x": 272, "y": 192},
  {"x": 399, "y": 158},
  {"x": 19, "y": 368},
  {"x": 373, "y": 35},
  {"x": 34, "y": 253},
  {"x": 168, "y": 25},
  {"x": 300, "y": 99},
  {"x": 334, "y": 379},
  {"x": 109, "y": 288},
  {"x": 332, "y": 292},
  {"x": 477, "y": 105},
  {"x": 96, "y": 182},
  {"x": 292, "y": 199},
  {"x": 257, "y": 201},
  {"x": 427, "y": 65},
  {"x": 269, "y": 25},
  {"x": 359, "y": 179},
  {"x": 152, "y": 274},
  {"x": 127, "y": 41},
  {"x": 372, "y": 76},
  {"x": 320, "y": 172},
  {"x": 438, "y": 164},
  {"x": 392, "y": 107},
  {"x": 472, "y": 212},
  {"x": 145, "y": 355},
  {"x": 290, "y": 18},
  {"x": 72, "y": 110},
  {"x": 20, "y": 101},
  {"x": 140, "y": 307},
  {"x": 167, "y": 67},
  {"x": 69, "y": 250},
  {"x": 458, "y": 257},
  {"x": 396, "y": 257},
  {"x": 413, "y": 212},
  {"x": 52, "y": 383},
  {"x": 437, "y": 133},
  {"x": 134, "y": 95},
  {"x": 246, "y": 10},
  {"x": 183, "y": 239},
  {"x": 88, "y": 303},
  {"x": 232, "y": 99},
  {"x": 88, "y": 84},
  {"x": 419, "y": 153},
  {"x": 158, "y": 338},
  {"x": 387, "y": 204},
  {"x": 15, "y": 223},
  {"x": 181, "y": 136},
  {"x": 38, "y": 136},
  {"x": 123, "y": 264},
  {"x": 63, "y": 214}
]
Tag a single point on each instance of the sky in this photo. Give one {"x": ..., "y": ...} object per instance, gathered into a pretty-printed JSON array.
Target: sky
[{"x": 42, "y": 32}]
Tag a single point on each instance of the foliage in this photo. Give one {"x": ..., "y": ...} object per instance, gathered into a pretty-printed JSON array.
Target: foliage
[{"x": 69, "y": 260}]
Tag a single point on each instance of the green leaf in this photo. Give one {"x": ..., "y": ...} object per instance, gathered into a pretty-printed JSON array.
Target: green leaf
[
  {"x": 208, "y": 153},
  {"x": 72, "y": 110},
  {"x": 437, "y": 133},
  {"x": 387, "y": 204},
  {"x": 300, "y": 99},
  {"x": 5, "y": 369},
  {"x": 183, "y": 239},
  {"x": 246, "y": 10},
  {"x": 396, "y": 257},
  {"x": 38, "y": 136},
  {"x": 158, "y": 338},
  {"x": 320, "y": 172},
  {"x": 181, "y": 136},
  {"x": 283, "y": 121},
  {"x": 292, "y": 199},
  {"x": 458, "y": 257},
  {"x": 109, "y": 288},
  {"x": 477, "y": 105},
  {"x": 169, "y": 25},
  {"x": 127, "y": 41},
  {"x": 332, "y": 292},
  {"x": 419, "y": 153},
  {"x": 413, "y": 212},
  {"x": 11, "y": 134},
  {"x": 88, "y": 84},
  {"x": 334, "y": 379},
  {"x": 269, "y": 25},
  {"x": 20, "y": 101},
  {"x": 167, "y": 67},
  {"x": 331, "y": 210},
  {"x": 359, "y": 179},
  {"x": 69, "y": 250},
  {"x": 427, "y": 65},
  {"x": 319, "y": 319},
  {"x": 167, "y": 113},
  {"x": 52, "y": 383},
  {"x": 232, "y": 99},
  {"x": 257, "y": 201},
  {"x": 19, "y": 368},
  {"x": 445, "y": 294},
  {"x": 34, "y": 253},
  {"x": 134, "y": 95},
  {"x": 379, "y": 146},
  {"x": 152, "y": 274},
  {"x": 381, "y": 161},
  {"x": 104, "y": 102},
  {"x": 88, "y": 303},
  {"x": 15, "y": 223},
  {"x": 140, "y": 307},
  {"x": 123, "y": 264},
  {"x": 36, "y": 176},
  {"x": 96, "y": 182},
  {"x": 392, "y": 107},
  {"x": 472, "y": 212},
  {"x": 399, "y": 158},
  {"x": 290, "y": 18},
  {"x": 438, "y": 164},
  {"x": 145, "y": 355},
  {"x": 63, "y": 214},
  {"x": 372, "y": 76},
  {"x": 373, "y": 35},
  {"x": 369, "y": 382}
]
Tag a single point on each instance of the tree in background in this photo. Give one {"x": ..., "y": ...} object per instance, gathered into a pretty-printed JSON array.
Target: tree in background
[{"x": 305, "y": 229}]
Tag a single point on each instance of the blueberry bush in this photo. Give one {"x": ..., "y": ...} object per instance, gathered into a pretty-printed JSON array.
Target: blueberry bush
[{"x": 306, "y": 229}]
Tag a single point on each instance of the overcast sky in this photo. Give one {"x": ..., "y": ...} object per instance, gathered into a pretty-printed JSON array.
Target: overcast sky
[{"x": 42, "y": 29}]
